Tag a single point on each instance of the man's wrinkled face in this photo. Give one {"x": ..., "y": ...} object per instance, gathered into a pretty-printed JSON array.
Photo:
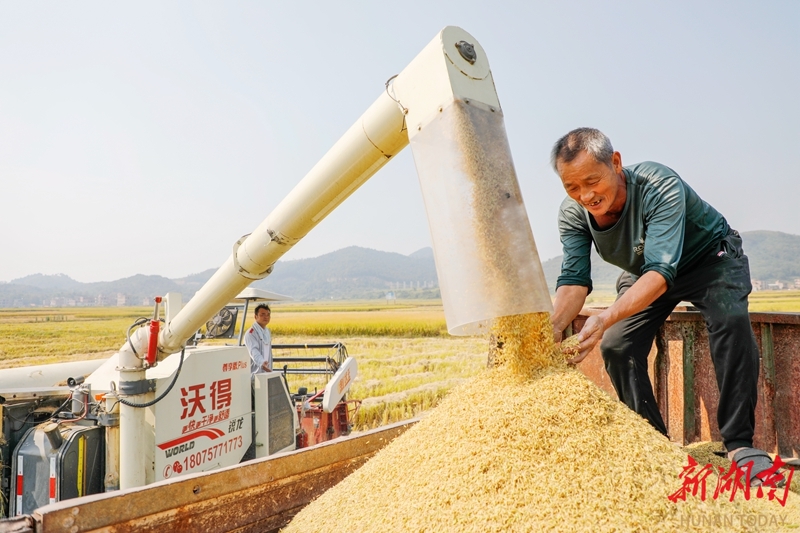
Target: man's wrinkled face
[
  {"x": 262, "y": 318},
  {"x": 596, "y": 186}
]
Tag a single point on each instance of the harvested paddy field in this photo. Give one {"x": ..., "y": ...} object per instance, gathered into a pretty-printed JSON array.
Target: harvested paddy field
[
  {"x": 49, "y": 335},
  {"x": 399, "y": 378}
]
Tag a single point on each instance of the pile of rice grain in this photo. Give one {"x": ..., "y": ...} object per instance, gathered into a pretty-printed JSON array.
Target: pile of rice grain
[
  {"x": 547, "y": 451},
  {"x": 531, "y": 444}
]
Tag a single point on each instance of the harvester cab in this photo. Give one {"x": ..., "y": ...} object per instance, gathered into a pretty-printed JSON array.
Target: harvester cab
[{"x": 324, "y": 414}]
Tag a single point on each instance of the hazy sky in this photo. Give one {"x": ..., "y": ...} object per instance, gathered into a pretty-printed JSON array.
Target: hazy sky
[{"x": 147, "y": 137}]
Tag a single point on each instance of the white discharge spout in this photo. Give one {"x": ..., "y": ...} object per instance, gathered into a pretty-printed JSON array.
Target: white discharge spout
[{"x": 445, "y": 104}]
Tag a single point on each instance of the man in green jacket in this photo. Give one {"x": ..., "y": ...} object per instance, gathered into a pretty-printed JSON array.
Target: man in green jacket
[{"x": 672, "y": 247}]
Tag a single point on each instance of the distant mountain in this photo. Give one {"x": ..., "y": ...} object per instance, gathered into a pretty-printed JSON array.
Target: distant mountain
[
  {"x": 773, "y": 255},
  {"x": 423, "y": 253},
  {"x": 350, "y": 273},
  {"x": 354, "y": 273},
  {"x": 604, "y": 276},
  {"x": 56, "y": 281}
]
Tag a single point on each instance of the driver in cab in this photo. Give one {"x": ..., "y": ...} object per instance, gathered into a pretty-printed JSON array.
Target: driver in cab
[{"x": 258, "y": 340}]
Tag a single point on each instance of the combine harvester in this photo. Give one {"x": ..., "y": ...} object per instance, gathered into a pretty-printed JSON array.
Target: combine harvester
[
  {"x": 156, "y": 437},
  {"x": 65, "y": 435}
]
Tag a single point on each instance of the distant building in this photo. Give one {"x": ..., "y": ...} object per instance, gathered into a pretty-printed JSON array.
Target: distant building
[
  {"x": 757, "y": 285},
  {"x": 120, "y": 299},
  {"x": 777, "y": 286}
]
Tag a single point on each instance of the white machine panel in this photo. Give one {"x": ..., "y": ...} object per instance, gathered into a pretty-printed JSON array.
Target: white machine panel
[
  {"x": 205, "y": 421},
  {"x": 339, "y": 384},
  {"x": 276, "y": 418}
]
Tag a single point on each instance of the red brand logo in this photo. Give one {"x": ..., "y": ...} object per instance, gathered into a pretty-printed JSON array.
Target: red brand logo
[{"x": 696, "y": 482}]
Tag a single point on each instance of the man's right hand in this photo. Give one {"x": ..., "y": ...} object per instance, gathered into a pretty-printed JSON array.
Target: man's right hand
[
  {"x": 569, "y": 302},
  {"x": 558, "y": 336}
]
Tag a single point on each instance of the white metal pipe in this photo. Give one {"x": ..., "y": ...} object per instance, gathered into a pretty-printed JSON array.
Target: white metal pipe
[
  {"x": 46, "y": 375},
  {"x": 132, "y": 440},
  {"x": 363, "y": 150},
  {"x": 437, "y": 76},
  {"x": 132, "y": 423}
]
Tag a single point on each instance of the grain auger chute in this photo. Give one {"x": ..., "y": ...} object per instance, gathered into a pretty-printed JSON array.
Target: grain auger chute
[{"x": 184, "y": 410}]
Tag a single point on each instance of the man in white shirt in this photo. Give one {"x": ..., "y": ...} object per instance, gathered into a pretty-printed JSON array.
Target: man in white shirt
[{"x": 259, "y": 341}]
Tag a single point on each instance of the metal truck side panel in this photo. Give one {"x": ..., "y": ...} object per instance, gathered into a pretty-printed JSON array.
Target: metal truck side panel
[{"x": 259, "y": 496}]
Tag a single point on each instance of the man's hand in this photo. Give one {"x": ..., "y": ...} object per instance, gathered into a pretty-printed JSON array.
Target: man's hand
[
  {"x": 641, "y": 294},
  {"x": 589, "y": 336},
  {"x": 569, "y": 301},
  {"x": 265, "y": 367},
  {"x": 558, "y": 335}
]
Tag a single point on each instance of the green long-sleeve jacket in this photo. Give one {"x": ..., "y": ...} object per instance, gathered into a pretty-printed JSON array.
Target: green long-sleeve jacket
[{"x": 665, "y": 226}]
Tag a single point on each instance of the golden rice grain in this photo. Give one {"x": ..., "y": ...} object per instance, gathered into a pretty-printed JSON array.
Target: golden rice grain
[
  {"x": 555, "y": 454},
  {"x": 569, "y": 347},
  {"x": 529, "y": 334},
  {"x": 529, "y": 445}
]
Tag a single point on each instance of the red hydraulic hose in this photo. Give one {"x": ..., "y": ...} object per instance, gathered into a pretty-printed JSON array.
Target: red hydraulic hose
[{"x": 152, "y": 348}]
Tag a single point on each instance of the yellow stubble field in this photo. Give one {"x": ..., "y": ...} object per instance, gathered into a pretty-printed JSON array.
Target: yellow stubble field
[{"x": 407, "y": 361}]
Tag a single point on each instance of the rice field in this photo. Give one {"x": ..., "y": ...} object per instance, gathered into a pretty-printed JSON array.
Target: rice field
[
  {"x": 399, "y": 378},
  {"x": 411, "y": 323},
  {"x": 50, "y": 335},
  {"x": 407, "y": 361},
  {"x": 760, "y": 301},
  {"x": 775, "y": 301}
]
